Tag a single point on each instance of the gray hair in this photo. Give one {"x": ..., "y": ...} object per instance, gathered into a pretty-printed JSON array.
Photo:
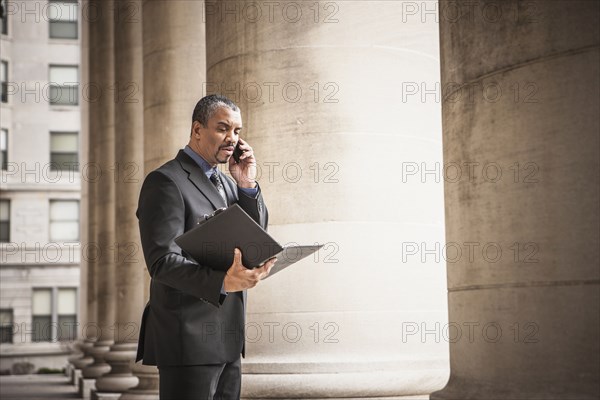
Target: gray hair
[{"x": 208, "y": 105}]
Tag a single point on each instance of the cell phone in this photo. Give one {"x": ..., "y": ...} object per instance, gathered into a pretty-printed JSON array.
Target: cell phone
[{"x": 237, "y": 152}]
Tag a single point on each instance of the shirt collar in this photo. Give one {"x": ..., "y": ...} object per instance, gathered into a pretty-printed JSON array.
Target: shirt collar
[{"x": 208, "y": 169}]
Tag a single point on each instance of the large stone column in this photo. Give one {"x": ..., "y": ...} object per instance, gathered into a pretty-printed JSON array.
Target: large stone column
[
  {"x": 320, "y": 85},
  {"x": 86, "y": 303},
  {"x": 101, "y": 131},
  {"x": 129, "y": 157},
  {"x": 173, "y": 72},
  {"x": 174, "y": 69},
  {"x": 522, "y": 84}
]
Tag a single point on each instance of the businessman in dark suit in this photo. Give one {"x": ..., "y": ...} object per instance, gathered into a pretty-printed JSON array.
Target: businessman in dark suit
[{"x": 193, "y": 325}]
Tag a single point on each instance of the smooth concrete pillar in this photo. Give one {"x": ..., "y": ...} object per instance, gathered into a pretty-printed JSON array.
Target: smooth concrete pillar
[
  {"x": 174, "y": 70},
  {"x": 532, "y": 299},
  {"x": 320, "y": 88},
  {"x": 102, "y": 135},
  {"x": 129, "y": 160}
]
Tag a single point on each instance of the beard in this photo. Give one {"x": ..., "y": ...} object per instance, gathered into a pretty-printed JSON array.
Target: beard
[{"x": 220, "y": 158}]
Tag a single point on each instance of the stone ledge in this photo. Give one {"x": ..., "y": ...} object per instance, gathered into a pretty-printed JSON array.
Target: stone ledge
[
  {"x": 382, "y": 384},
  {"x": 311, "y": 364},
  {"x": 33, "y": 349},
  {"x": 418, "y": 397}
]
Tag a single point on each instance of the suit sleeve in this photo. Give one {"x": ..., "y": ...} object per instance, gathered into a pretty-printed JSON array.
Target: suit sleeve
[
  {"x": 255, "y": 207},
  {"x": 161, "y": 215}
]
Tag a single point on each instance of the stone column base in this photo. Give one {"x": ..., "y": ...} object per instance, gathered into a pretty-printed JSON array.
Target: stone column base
[
  {"x": 119, "y": 379},
  {"x": 85, "y": 387},
  {"x": 69, "y": 368},
  {"x": 83, "y": 362},
  {"x": 147, "y": 388},
  {"x": 104, "y": 396},
  {"x": 99, "y": 367},
  {"x": 135, "y": 394},
  {"x": 75, "y": 376}
]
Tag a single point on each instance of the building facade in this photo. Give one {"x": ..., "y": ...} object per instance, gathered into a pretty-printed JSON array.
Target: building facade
[{"x": 40, "y": 182}]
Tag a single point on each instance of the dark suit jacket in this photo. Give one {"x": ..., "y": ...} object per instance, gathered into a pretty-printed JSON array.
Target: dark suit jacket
[{"x": 187, "y": 320}]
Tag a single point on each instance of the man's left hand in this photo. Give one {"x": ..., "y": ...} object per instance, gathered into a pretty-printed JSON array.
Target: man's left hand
[{"x": 244, "y": 172}]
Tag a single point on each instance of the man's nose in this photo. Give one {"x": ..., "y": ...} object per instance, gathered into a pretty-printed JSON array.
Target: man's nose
[{"x": 230, "y": 137}]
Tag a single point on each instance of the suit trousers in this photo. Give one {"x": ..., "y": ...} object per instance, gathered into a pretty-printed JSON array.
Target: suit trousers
[{"x": 201, "y": 382}]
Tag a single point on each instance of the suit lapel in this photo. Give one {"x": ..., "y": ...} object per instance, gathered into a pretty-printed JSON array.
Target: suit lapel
[
  {"x": 228, "y": 189},
  {"x": 199, "y": 179}
]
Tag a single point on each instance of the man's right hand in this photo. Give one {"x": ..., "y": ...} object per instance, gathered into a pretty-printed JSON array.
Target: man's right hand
[{"x": 239, "y": 277}]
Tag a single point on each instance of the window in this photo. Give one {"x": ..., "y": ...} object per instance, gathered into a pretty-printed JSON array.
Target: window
[
  {"x": 63, "y": 150},
  {"x": 3, "y": 149},
  {"x": 64, "y": 82},
  {"x": 6, "y": 326},
  {"x": 67, "y": 314},
  {"x": 64, "y": 220},
  {"x": 54, "y": 314},
  {"x": 4, "y": 82},
  {"x": 4, "y": 220},
  {"x": 42, "y": 315},
  {"x": 63, "y": 19},
  {"x": 4, "y": 21}
]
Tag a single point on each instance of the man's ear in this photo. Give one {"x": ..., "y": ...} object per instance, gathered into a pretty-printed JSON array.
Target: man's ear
[{"x": 196, "y": 128}]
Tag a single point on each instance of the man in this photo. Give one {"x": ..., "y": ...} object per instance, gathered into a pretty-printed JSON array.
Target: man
[{"x": 193, "y": 325}]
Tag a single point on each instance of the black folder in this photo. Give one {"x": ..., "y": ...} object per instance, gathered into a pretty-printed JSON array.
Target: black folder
[{"x": 214, "y": 239}]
